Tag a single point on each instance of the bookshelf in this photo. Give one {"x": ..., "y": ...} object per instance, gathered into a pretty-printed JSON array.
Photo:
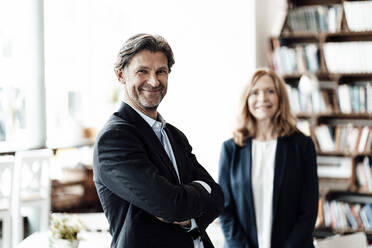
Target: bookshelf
[{"x": 323, "y": 55}]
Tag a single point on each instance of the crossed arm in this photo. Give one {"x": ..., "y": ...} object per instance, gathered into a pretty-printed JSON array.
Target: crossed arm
[{"x": 125, "y": 169}]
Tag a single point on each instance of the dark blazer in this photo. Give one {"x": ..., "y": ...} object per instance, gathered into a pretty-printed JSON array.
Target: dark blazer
[
  {"x": 136, "y": 182},
  {"x": 295, "y": 194}
]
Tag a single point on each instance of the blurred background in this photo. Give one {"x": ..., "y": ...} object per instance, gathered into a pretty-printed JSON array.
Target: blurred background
[{"x": 57, "y": 79}]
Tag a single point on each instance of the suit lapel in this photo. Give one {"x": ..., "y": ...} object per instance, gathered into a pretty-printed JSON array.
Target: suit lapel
[
  {"x": 280, "y": 166},
  {"x": 128, "y": 113},
  {"x": 246, "y": 172}
]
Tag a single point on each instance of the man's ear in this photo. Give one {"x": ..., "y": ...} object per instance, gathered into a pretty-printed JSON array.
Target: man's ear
[{"x": 120, "y": 76}]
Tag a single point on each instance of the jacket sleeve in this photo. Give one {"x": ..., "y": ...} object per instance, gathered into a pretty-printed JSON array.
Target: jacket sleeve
[
  {"x": 235, "y": 236},
  {"x": 123, "y": 166},
  {"x": 214, "y": 204},
  {"x": 304, "y": 227}
]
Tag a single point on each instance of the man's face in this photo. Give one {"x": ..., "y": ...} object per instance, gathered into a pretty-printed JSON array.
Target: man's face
[{"x": 146, "y": 79}]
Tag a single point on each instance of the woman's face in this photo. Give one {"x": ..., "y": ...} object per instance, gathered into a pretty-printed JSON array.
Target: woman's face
[{"x": 263, "y": 99}]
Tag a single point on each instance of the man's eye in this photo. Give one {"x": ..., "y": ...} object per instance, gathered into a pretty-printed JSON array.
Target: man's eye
[
  {"x": 162, "y": 72},
  {"x": 142, "y": 71}
]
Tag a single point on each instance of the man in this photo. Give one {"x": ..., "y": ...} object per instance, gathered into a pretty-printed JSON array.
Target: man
[{"x": 153, "y": 191}]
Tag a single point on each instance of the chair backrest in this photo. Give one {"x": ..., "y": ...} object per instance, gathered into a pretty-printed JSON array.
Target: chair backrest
[
  {"x": 6, "y": 177},
  {"x": 31, "y": 187},
  {"x": 32, "y": 173}
]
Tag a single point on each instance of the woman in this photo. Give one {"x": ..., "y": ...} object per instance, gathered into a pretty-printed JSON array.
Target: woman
[{"x": 268, "y": 172}]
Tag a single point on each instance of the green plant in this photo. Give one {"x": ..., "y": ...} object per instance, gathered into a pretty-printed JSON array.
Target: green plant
[{"x": 64, "y": 226}]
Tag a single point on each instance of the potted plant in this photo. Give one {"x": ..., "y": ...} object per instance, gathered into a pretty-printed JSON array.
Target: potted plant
[{"x": 65, "y": 229}]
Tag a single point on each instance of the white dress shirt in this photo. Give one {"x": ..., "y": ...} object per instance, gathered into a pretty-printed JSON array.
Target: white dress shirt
[{"x": 263, "y": 160}]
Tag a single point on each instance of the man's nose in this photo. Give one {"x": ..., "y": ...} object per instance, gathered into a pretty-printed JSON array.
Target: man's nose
[{"x": 153, "y": 80}]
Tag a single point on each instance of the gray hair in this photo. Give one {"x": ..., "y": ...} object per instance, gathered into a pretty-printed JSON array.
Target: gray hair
[{"x": 139, "y": 42}]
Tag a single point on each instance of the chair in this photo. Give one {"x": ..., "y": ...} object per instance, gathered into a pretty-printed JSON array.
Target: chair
[
  {"x": 6, "y": 175},
  {"x": 31, "y": 191}
]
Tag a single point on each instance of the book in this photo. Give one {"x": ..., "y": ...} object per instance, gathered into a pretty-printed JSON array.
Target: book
[
  {"x": 363, "y": 217},
  {"x": 362, "y": 99},
  {"x": 369, "y": 141},
  {"x": 367, "y": 168},
  {"x": 312, "y": 58},
  {"x": 350, "y": 217},
  {"x": 324, "y": 138},
  {"x": 334, "y": 167},
  {"x": 327, "y": 214},
  {"x": 358, "y": 15},
  {"x": 369, "y": 97},
  {"x": 339, "y": 54},
  {"x": 368, "y": 211},
  {"x": 320, "y": 217},
  {"x": 317, "y": 18},
  {"x": 363, "y": 139},
  {"x": 361, "y": 175},
  {"x": 343, "y": 96},
  {"x": 355, "y": 100},
  {"x": 355, "y": 208}
]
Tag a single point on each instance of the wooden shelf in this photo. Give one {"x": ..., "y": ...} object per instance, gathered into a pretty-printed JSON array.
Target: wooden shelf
[
  {"x": 352, "y": 77},
  {"x": 345, "y": 153},
  {"x": 364, "y": 116},
  {"x": 300, "y": 3},
  {"x": 323, "y": 232},
  {"x": 296, "y": 37},
  {"x": 369, "y": 193},
  {"x": 343, "y": 77},
  {"x": 348, "y": 36},
  {"x": 350, "y": 196},
  {"x": 341, "y": 189}
]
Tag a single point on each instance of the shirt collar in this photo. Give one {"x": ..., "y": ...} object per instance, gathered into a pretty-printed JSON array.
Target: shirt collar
[{"x": 159, "y": 124}]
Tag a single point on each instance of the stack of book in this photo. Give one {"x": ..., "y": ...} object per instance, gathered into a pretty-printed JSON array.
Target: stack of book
[
  {"x": 343, "y": 216},
  {"x": 355, "y": 98},
  {"x": 345, "y": 138},
  {"x": 364, "y": 175},
  {"x": 358, "y": 15},
  {"x": 317, "y": 102},
  {"x": 348, "y": 57},
  {"x": 299, "y": 59},
  {"x": 334, "y": 167},
  {"x": 315, "y": 19}
]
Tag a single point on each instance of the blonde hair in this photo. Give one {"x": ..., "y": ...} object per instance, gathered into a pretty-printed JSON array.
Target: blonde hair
[{"x": 284, "y": 121}]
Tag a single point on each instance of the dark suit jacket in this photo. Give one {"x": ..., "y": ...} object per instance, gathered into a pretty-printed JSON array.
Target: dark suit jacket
[
  {"x": 136, "y": 181},
  {"x": 295, "y": 194}
]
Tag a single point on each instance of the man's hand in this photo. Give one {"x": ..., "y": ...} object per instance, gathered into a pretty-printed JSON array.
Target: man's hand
[{"x": 186, "y": 223}]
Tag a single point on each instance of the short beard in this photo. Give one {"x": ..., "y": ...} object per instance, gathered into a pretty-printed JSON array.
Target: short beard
[{"x": 148, "y": 106}]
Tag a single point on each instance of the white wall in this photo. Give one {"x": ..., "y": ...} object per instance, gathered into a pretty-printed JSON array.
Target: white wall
[
  {"x": 270, "y": 16},
  {"x": 214, "y": 47},
  {"x": 217, "y": 45},
  {"x": 215, "y": 53}
]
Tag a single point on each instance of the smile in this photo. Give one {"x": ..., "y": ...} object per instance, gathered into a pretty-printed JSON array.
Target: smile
[
  {"x": 264, "y": 106},
  {"x": 152, "y": 89}
]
